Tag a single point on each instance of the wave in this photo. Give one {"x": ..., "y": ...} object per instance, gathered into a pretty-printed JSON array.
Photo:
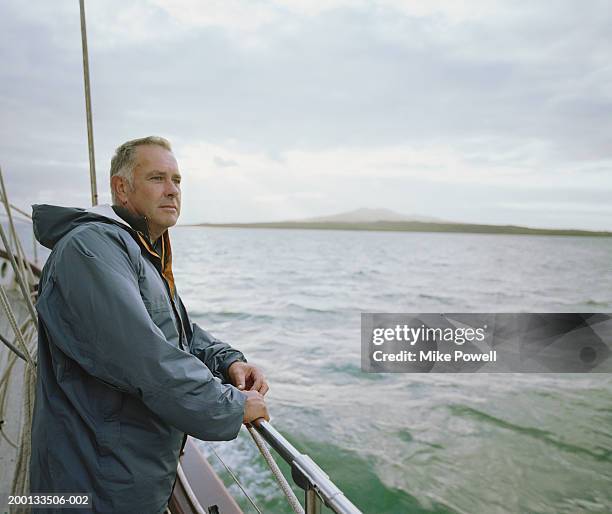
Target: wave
[
  {"x": 600, "y": 454},
  {"x": 443, "y": 299},
  {"x": 596, "y": 303},
  {"x": 353, "y": 371},
  {"x": 357, "y": 477},
  {"x": 314, "y": 310},
  {"x": 233, "y": 315}
]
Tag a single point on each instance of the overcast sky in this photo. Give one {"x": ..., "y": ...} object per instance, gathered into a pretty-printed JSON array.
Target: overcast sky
[{"x": 476, "y": 111}]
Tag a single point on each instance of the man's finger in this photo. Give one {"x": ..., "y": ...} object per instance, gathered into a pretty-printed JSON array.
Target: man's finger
[
  {"x": 257, "y": 382},
  {"x": 240, "y": 379},
  {"x": 262, "y": 384}
]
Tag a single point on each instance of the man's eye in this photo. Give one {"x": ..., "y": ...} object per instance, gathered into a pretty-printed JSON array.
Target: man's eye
[
  {"x": 157, "y": 178},
  {"x": 177, "y": 180}
]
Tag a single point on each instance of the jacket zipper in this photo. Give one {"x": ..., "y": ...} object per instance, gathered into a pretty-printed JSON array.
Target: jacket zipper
[{"x": 177, "y": 317}]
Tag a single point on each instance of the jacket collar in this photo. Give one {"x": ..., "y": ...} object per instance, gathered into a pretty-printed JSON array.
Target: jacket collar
[
  {"x": 160, "y": 248},
  {"x": 138, "y": 223}
]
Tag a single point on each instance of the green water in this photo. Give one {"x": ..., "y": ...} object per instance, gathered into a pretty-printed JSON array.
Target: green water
[{"x": 408, "y": 443}]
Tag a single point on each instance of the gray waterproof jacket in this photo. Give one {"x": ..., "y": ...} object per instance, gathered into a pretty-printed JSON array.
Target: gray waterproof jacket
[{"x": 122, "y": 373}]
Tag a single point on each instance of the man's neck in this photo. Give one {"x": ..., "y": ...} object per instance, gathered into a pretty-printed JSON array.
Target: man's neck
[{"x": 137, "y": 222}]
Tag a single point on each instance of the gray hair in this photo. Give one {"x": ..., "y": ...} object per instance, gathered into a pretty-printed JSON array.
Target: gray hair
[{"x": 124, "y": 162}]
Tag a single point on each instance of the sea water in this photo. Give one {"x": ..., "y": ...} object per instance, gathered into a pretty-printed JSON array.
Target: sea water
[{"x": 399, "y": 443}]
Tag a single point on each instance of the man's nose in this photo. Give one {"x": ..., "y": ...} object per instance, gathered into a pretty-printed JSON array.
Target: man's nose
[{"x": 172, "y": 189}]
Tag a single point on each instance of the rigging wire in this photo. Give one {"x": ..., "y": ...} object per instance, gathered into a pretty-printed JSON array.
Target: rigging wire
[
  {"x": 234, "y": 477},
  {"x": 17, "y": 209},
  {"x": 4, "y": 300},
  {"x": 13, "y": 348},
  {"x": 294, "y": 503},
  {"x": 14, "y": 239},
  {"x": 25, "y": 334},
  {"x": 18, "y": 278},
  {"x": 4, "y": 387}
]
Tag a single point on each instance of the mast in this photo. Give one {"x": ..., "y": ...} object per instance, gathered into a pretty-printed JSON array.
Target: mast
[{"x": 90, "y": 140}]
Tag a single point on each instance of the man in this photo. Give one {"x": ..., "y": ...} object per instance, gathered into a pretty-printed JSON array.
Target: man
[{"x": 123, "y": 374}]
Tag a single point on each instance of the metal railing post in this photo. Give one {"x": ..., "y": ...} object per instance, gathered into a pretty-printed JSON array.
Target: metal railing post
[
  {"x": 307, "y": 475},
  {"x": 312, "y": 502}
]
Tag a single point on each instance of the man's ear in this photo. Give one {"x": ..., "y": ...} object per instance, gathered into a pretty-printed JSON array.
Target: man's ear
[{"x": 121, "y": 187}]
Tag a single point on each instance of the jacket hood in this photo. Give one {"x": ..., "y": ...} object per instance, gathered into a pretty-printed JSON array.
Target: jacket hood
[{"x": 52, "y": 222}]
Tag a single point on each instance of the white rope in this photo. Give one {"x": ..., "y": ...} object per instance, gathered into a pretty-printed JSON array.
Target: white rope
[
  {"x": 17, "y": 209},
  {"x": 23, "y": 286},
  {"x": 27, "y": 267},
  {"x": 278, "y": 475},
  {"x": 13, "y": 322},
  {"x": 26, "y": 335},
  {"x": 14, "y": 238},
  {"x": 11, "y": 359},
  {"x": 21, "y": 482}
]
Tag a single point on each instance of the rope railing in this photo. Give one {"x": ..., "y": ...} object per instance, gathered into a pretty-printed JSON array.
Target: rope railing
[{"x": 307, "y": 474}]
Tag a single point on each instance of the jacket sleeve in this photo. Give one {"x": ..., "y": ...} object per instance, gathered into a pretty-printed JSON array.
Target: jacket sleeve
[
  {"x": 217, "y": 355},
  {"x": 93, "y": 311}
]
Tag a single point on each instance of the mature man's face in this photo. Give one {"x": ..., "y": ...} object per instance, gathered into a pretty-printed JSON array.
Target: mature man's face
[{"x": 156, "y": 191}]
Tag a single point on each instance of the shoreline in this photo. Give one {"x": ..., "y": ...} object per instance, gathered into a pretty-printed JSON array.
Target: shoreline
[{"x": 411, "y": 226}]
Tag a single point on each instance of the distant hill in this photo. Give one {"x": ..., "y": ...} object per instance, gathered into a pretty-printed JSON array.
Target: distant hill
[
  {"x": 365, "y": 215},
  {"x": 390, "y": 221}
]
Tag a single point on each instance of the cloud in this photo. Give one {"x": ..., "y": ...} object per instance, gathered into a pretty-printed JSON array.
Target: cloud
[
  {"x": 468, "y": 161},
  {"x": 224, "y": 163},
  {"x": 306, "y": 96},
  {"x": 246, "y": 15},
  {"x": 435, "y": 180},
  {"x": 575, "y": 207}
]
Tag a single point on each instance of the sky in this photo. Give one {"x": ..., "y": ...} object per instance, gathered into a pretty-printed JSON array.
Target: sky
[{"x": 475, "y": 111}]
